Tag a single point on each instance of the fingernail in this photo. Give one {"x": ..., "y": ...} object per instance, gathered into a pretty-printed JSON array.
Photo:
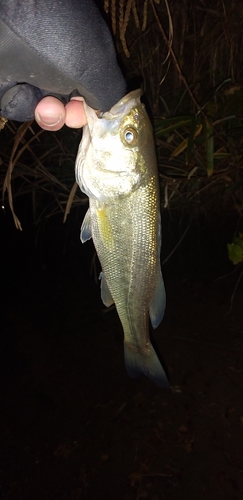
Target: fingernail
[{"x": 49, "y": 120}]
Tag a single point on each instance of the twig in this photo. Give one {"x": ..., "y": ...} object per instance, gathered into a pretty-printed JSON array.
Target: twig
[
  {"x": 177, "y": 244},
  {"x": 226, "y": 275},
  {"x": 183, "y": 79},
  {"x": 7, "y": 182},
  {"x": 70, "y": 201}
]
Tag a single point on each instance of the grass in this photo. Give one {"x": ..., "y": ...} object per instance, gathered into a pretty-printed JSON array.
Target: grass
[{"x": 189, "y": 58}]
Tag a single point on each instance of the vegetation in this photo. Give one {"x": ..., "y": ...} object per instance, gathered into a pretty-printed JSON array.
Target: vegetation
[{"x": 187, "y": 55}]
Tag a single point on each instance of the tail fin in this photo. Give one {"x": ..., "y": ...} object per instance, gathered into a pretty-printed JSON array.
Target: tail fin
[{"x": 150, "y": 365}]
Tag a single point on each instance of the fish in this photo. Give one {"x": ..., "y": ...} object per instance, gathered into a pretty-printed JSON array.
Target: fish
[{"x": 116, "y": 167}]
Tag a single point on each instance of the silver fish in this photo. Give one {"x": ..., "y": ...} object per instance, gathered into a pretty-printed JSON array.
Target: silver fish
[{"x": 116, "y": 167}]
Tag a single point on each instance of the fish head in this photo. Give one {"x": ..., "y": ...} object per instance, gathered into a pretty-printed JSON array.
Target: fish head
[{"x": 116, "y": 150}]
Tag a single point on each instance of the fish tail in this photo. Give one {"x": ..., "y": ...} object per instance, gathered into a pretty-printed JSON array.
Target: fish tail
[{"x": 137, "y": 363}]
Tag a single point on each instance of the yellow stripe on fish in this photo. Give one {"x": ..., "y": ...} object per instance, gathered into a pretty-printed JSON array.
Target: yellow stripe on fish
[{"x": 105, "y": 227}]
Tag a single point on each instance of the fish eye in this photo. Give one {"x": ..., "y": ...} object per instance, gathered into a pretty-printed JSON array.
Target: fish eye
[{"x": 130, "y": 136}]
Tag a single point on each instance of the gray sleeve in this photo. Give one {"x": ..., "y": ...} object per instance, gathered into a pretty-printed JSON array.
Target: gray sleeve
[{"x": 58, "y": 48}]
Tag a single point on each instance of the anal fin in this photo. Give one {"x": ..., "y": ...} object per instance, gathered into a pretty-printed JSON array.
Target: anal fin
[
  {"x": 105, "y": 292},
  {"x": 157, "y": 305}
]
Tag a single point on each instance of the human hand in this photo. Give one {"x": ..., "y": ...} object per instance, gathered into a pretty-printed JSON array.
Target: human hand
[
  {"x": 51, "y": 53},
  {"x": 51, "y": 114}
]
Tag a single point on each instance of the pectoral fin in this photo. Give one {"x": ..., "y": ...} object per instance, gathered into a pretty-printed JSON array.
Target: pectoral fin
[
  {"x": 86, "y": 228},
  {"x": 105, "y": 292},
  {"x": 157, "y": 305}
]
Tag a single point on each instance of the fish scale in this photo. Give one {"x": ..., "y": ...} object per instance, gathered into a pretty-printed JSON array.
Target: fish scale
[{"x": 116, "y": 167}]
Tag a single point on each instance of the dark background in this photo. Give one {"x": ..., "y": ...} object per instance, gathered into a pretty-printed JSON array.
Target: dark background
[{"x": 73, "y": 425}]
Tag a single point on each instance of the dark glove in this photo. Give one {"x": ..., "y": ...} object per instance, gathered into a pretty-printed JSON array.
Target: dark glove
[{"x": 60, "y": 48}]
